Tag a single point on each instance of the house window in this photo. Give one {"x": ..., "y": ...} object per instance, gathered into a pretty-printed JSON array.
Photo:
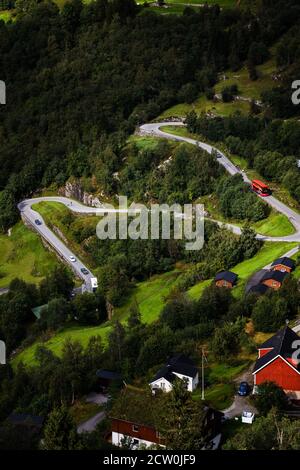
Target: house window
[
  {"x": 158, "y": 435},
  {"x": 135, "y": 428}
]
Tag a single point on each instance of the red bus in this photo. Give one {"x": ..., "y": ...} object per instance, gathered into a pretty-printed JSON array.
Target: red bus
[{"x": 260, "y": 188}]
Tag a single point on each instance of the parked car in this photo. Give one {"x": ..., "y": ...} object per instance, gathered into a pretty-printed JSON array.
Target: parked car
[
  {"x": 219, "y": 155},
  {"x": 84, "y": 271},
  {"x": 244, "y": 389},
  {"x": 72, "y": 258},
  {"x": 38, "y": 222}
]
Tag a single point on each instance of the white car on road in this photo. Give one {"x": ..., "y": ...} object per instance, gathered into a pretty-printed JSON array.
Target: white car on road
[{"x": 72, "y": 258}]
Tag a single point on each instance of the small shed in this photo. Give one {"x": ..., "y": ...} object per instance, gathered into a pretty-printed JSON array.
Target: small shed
[{"x": 106, "y": 378}]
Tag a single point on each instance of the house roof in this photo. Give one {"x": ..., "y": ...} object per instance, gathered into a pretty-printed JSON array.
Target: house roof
[
  {"x": 179, "y": 364},
  {"x": 139, "y": 407},
  {"x": 281, "y": 344},
  {"x": 259, "y": 289},
  {"x": 285, "y": 261},
  {"x": 278, "y": 276},
  {"x": 255, "y": 279},
  {"x": 108, "y": 374},
  {"x": 226, "y": 276},
  {"x": 166, "y": 373}
]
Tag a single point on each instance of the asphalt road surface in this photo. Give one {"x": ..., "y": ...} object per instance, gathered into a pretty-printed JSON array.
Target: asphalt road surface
[
  {"x": 30, "y": 215},
  {"x": 91, "y": 424},
  {"x": 154, "y": 129}
]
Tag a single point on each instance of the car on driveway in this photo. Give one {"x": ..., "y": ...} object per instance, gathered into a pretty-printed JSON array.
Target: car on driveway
[
  {"x": 84, "y": 271},
  {"x": 244, "y": 389},
  {"x": 72, "y": 258},
  {"x": 38, "y": 222}
]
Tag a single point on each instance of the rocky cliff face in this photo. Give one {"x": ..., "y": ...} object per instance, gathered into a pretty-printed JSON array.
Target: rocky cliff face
[{"x": 74, "y": 190}]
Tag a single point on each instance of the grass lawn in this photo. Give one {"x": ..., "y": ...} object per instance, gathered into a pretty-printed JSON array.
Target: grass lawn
[
  {"x": 269, "y": 252},
  {"x": 219, "y": 396},
  {"x": 195, "y": 292},
  {"x": 245, "y": 269},
  {"x": 23, "y": 255},
  {"x": 150, "y": 297},
  {"x": 55, "y": 344},
  {"x": 178, "y": 6},
  {"x": 224, "y": 372},
  {"x": 220, "y": 387},
  {"x": 247, "y": 87},
  {"x": 276, "y": 225},
  {"x": 202, "y": 104},
  {"x": 143, "y": 143}
]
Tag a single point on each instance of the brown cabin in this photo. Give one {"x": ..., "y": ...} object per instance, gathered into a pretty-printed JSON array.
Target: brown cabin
[
  {"x": 284, "y": 264},
  {"x": 226, "y": 279},
  {"x": 274, "y": 279}
]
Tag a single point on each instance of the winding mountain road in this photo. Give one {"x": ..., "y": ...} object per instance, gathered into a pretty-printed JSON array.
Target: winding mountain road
[
  {"x": 30, "y": 216},
  {"x": 154, "y": 129}
]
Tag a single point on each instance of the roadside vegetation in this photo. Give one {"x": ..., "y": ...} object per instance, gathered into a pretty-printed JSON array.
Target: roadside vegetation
[
  {"x": 80, "y": 108},
  {"x": 22, "y": 254}
]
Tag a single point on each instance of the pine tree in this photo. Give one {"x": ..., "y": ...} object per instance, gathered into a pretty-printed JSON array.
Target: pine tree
[{"x": 60, "y": 431}]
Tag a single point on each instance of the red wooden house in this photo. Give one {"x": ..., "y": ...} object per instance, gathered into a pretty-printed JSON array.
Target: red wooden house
[
  {"x": 278, "y": 362},
  {"x": 139, "y": 434}
]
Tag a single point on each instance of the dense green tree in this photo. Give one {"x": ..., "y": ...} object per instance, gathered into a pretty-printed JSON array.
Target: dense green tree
[
  {"x": 56, "y": 313},
  {"x": 226, "y": 341},
  {"x": 270, "y": 395},
  {"x": 185, "y": 420},
  {"x": 272, "y": 432},
  {"x": 58, "y": 282},
  {"x": 88, "y": 309},
  {"x": 60, "y": 431}
]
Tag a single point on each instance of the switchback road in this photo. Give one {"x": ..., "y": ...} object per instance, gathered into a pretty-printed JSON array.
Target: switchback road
[{"x": 31, "y": 216}]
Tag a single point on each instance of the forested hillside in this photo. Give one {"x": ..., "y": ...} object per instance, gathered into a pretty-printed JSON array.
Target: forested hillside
[{"x": 76, "y": 88}]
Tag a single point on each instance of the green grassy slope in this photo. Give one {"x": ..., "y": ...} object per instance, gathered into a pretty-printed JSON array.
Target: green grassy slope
[
  {"x": 149, "y": 296},
  {"x": 23, "y": 255},
  {"x": 247, "y": 268}
]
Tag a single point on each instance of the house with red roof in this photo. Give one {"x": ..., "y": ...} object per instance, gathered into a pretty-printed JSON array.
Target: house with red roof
[{"x": 279, "y": 361}]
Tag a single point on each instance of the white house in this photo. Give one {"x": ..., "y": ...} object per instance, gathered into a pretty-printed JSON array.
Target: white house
[{"x": 177, "y": 367}]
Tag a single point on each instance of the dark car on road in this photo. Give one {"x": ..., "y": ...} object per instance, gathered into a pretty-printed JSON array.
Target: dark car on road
[
  {"x": 38, "y": 222},
  {"x": 244, "y": 389},
  {"x": 84, "y": 271}
]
